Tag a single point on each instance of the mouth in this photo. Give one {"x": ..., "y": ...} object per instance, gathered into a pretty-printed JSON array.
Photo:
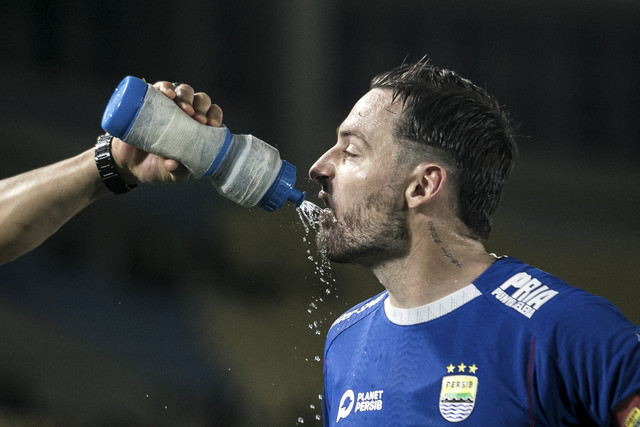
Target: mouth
[{"x": 327, "y": 215}]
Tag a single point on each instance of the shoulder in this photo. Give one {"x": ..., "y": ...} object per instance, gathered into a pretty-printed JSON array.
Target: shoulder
[
  {"x": 582, "y": 338},
  {"x": 355, "y": 314},
  {"x": 550, "y": 308}
]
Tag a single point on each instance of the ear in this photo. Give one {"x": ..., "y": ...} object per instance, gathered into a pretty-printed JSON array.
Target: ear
[{"x": 428, "y": 179}]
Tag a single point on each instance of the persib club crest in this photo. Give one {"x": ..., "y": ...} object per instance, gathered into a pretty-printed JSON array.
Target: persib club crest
[{"x": 458, "y": 392}]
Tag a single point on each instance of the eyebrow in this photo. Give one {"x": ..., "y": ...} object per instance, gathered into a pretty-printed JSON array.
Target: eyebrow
[{"x": 354, "y": 133}]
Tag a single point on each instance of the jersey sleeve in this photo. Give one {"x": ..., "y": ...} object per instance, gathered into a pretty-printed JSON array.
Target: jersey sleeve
[{"x": 596, "y": 351}]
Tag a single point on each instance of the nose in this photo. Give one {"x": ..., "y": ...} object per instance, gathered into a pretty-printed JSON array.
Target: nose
[{"x": 323, "y": 169}]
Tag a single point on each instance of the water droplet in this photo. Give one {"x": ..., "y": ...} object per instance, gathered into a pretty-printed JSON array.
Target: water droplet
[{"x": 309, "y": 215}]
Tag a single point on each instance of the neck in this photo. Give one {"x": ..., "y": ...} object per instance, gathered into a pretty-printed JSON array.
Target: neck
[{"x": 438, "y": 263}]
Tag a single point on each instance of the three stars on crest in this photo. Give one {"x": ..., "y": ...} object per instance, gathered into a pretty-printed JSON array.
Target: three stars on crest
[{"x": 462, "y": 368}]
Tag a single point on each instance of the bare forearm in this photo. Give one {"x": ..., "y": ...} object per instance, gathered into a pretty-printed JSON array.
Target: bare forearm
[{"x": 35, "y": 204}]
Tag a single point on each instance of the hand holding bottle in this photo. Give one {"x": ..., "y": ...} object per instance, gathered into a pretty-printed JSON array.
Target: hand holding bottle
[
  {"x": 138, "y": 166},
  {"x": 242, "y": 167}
]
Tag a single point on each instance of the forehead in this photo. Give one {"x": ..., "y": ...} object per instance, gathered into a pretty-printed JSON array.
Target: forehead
[{"x": 374, "y": 115}]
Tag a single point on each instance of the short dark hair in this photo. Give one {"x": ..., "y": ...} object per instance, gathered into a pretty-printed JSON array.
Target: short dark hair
[{"x": 444, "y": 111}]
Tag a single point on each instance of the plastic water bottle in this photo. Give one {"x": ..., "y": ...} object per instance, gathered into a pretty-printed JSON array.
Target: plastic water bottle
[{"x": 243, "y": 168}]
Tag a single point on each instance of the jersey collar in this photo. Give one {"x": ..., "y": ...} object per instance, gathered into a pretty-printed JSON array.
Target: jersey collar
[{"x": 431, "y": 311}]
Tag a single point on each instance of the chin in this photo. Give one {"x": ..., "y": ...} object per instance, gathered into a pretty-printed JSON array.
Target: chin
[{"x": 331, "y": 243}]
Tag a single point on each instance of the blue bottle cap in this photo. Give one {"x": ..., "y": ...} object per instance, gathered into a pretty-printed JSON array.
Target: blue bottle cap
[
  {"x": 123, "y": 107},
  {"x": 282, "y": 189}
]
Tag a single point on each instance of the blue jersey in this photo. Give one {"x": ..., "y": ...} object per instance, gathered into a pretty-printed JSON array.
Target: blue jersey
[{"x": 518, "y": 347}]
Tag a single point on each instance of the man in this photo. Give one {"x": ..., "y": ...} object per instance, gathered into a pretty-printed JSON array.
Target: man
[
  {"x": 35, "y": 204},
  {"x": 459, "y": 335}
]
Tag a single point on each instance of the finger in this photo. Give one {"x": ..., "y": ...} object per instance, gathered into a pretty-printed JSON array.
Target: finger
[
  {"x": 214, "y": 116},
  {"x": 166, "y": 88},
  {"x": 184, "y": 98},
  {"x": 177, "y": 171},
  {"x": 201, "y": 104}
]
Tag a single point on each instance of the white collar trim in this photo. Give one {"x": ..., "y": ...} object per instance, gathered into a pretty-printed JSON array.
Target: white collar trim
[{"x": 431, "y": 311}]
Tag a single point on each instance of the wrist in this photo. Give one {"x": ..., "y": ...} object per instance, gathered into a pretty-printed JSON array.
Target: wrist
[{"x": 107, "y": 166}]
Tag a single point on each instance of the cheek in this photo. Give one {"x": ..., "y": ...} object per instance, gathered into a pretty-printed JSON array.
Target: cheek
[
  {"x": 360, "y": 172},
  {"x": 351, "y": 186},
  {"x": 356, "y": 182}
]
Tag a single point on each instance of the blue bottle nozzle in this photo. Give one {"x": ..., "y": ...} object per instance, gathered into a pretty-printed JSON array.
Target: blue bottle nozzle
[{"x": 282, "y": 189}]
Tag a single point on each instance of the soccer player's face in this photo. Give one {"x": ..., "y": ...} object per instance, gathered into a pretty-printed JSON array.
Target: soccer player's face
[{"x": 365, "y": 220}]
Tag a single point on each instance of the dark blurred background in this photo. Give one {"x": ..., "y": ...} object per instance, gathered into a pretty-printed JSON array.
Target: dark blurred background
[{"x": 172, "y": 306}]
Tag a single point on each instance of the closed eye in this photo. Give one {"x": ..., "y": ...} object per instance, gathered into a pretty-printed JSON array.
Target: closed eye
[{"x": 350, "y": 151}]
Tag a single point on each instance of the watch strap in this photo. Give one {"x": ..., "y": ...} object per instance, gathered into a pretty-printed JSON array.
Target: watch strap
[{"x": 107, "y": 168}]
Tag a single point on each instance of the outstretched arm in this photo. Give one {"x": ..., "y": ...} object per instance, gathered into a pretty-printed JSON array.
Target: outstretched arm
[{"x": 35, "y": 204}]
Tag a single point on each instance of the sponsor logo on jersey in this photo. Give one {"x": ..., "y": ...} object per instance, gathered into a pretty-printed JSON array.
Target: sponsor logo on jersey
[
  {"x": 458, "y": 392},
  {"x": 366, "y": 306},
  {"x": 363, "y": 402},
  {"x": 524, "y": 294}
]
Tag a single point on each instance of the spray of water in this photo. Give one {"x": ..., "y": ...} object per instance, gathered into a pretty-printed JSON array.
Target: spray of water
[{"x": 309, "y": 214}]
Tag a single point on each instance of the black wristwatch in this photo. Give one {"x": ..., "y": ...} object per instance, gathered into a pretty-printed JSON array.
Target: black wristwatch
[{"x": 107, "y": 167}]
